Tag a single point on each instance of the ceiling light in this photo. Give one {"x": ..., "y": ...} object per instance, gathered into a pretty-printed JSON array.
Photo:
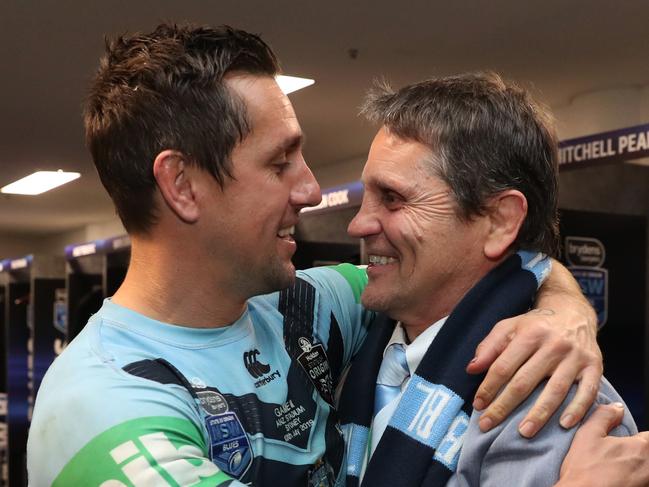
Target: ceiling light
[
  {"x": 39, "y": 182},
  {"x": 289, "y": 84}
]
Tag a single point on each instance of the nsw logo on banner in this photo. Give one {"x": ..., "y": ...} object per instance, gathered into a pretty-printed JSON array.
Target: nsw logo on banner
[
  {"x": 594, "y": 285},
  {"x": 585, "y": 256}
]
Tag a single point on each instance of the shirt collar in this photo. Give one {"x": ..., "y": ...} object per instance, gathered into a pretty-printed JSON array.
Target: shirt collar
[{"x": 416, "y": 350}]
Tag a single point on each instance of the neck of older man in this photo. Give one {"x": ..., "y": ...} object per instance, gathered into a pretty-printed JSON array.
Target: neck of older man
[{"x": 416, "y": 319}]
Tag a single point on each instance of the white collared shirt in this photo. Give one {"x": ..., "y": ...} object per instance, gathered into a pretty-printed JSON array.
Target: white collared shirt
[{"x": 415, "y": 352}]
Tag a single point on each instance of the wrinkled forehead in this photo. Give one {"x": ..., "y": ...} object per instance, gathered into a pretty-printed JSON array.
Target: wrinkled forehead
[{"x": 394, "y": 157}]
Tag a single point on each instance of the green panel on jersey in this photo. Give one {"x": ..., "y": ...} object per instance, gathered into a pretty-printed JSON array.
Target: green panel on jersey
[
  {"x": 156, "y": 450},
  {"x": 355, "y": 276}
]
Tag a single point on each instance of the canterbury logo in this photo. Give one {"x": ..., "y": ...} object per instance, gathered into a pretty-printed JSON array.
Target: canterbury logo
[{"x": 254, "y": 366}]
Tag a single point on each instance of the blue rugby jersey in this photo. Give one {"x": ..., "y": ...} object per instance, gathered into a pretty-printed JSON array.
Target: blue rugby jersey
[{"x": 134, "y": 402}]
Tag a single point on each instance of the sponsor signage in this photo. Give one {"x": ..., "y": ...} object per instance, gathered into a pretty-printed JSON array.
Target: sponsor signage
[
  {"x": 614, "y": 146},
  {"x": 343, "y": 196},
  {"x": 585, "y": 258},
  {"x": 585, "y": 251},
  {"x": 8, "y": 265},
  {"x": 102, "y": 246},
  {"x": 22, "y": 263}
]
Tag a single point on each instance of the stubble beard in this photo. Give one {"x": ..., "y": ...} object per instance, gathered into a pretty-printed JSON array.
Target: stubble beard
[
  {"x": 274, "y": 276},
  {"x": 377, "y": 300},
  {"x": 279, "y": 276}
]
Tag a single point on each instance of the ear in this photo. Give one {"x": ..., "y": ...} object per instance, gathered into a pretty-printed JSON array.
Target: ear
[
  {"x": 507, "y": 213},
  {"x": 174, "y": 178}
]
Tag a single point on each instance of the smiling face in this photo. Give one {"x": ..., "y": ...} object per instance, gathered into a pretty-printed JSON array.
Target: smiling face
[
  {"x": 250, "y": 221},
  {"x": 423, "y": 258}
]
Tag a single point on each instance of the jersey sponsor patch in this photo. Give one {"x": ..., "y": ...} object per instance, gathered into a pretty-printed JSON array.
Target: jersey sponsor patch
[
  {"x": 212, "y": 402},
  {"x": 313, "y": 360},
  {"x": 229, "y": 445},
  {"x": 158, "y": 450}
]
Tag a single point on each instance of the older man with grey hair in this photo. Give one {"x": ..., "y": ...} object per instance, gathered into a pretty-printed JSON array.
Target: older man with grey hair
[{"x": 459, "y": 215}]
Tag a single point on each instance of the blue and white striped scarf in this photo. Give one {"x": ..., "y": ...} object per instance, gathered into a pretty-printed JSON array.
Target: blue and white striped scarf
[{"x": 422, "y": 442}]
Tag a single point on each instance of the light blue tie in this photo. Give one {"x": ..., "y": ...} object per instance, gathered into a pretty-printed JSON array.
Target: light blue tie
[{"x": 393, "y": 371}]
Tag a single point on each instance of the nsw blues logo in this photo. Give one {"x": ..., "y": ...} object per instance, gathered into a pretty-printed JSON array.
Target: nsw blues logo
[
  {"x": 594, "y": 285},
  {"x": 230, "y": 448},
  {"x": 586, "y": 256}
]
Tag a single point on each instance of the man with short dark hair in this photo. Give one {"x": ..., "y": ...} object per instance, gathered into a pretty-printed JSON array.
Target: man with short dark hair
[
  {"x": 460, "y": 206},
  {"x": 190, "y": 374}
]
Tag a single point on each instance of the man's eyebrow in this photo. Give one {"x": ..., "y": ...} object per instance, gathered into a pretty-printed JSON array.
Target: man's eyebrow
[{"x": 290, "y": 143}]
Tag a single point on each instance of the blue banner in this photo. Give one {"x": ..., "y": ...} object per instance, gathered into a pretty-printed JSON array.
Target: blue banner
[
  {"x": 7, "y": 265},
  {"x": 343, "y": 196},
  {"x": 614, "y": 146},
  {"x": 101, "y": 246}
]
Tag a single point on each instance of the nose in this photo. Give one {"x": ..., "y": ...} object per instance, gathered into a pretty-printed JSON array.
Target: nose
[
  {"x": 365, "y": 223},
  {"x": 306, "y": 190}
]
